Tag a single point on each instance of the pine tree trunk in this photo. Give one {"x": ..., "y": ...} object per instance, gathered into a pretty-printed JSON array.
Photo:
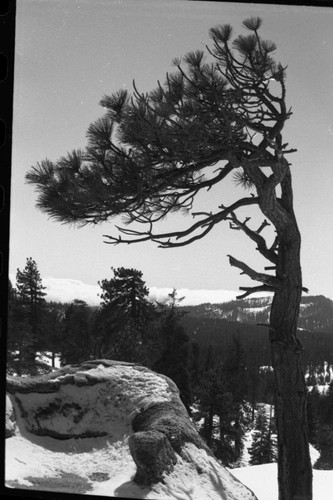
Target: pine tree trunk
[{"x": 294, "y": 464}]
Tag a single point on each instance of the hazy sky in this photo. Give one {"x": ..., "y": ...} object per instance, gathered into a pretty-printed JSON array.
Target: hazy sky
[{"x": 70, "y": 53}]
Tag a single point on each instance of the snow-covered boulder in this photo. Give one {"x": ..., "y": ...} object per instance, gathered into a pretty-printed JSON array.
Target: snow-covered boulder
[{"x": 114, "y": 428}]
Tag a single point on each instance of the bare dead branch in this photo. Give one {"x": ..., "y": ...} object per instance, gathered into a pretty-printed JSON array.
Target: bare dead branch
[
  {"x": 255, "y": 289},
  {"x": 267, "y": 279},
  {"x": 263, "y": 225},
  {"x": 269, "y": 254}
]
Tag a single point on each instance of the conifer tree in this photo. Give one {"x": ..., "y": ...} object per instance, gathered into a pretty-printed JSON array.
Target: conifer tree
[
  {"x": 263, "y": 447},
  {"x": 125, "y": 315},
  {"x": 235, "y": 412},
  {"x": 209, "y": 395},
  {"x": 313, "y": 413},
  {"x": 18, "y": 329},
  {"x": 127, "y": 294},
  {"x": 194, "y": 364},
  {"x": 153, "y": 152},
  {"x": 30, "y": 295},
  {"x": 76, "y": 342},
  {"x": 173, "y": 359},
  {"x": 54, "y": 325}
]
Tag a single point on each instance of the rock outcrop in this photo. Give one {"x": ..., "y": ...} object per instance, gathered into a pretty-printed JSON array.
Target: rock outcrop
[
  {"x": 116, "y": 401},
  {"x": 153, "y": 456},
  {"x": 10, "y": 418}
]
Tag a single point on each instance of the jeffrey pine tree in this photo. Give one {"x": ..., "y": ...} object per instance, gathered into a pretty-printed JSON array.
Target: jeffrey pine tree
[{"x": 152, "y": 153}]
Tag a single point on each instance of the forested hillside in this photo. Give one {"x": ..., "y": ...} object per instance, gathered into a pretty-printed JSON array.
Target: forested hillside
[
  {"x": 316, "y": 311},
  {"x": 216, "y": 325}
]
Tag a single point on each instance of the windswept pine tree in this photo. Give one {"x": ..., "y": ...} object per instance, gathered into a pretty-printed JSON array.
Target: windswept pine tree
[{"x": 152, "y": 154}]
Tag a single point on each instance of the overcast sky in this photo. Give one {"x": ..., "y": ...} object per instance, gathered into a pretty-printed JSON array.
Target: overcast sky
[{"x": 70, "y": 53}]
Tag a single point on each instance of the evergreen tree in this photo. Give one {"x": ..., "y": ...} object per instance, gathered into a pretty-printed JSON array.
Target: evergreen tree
[
  {"x": 127, "y": 295},
  {"x": 263, "y": 448},
  {"x": 210, "y": 398},
  {"x": 194, "y": 365},
  {"x": 236, "y": 380},
  {"x": 268, "y": 385},
  {"x": 125, "y": 315},
  {"x": 54, "y": 323},
  {"x": 76, "y": 344},
  {"x": 173, "y": 359},
  {"x": 18, "y": 330},
  {"x": 210, "y": 359},
  {"x": 320, "y": 421},
  {"x": 254, "y": 387},
  {"x": 313, "y": 413},
  {"x": 30, "y": 296}
]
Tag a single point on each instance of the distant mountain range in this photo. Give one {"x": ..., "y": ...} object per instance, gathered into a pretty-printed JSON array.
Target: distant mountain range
[{"x": 316, "y": 312}]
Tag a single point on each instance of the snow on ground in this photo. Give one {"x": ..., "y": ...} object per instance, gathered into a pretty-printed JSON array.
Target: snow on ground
[
  {"x": 47, "y": 457},
  {"x": 262, "y": 480}
]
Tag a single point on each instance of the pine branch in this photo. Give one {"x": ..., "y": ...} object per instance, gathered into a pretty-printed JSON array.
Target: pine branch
[{"x": 204, "y": 225}]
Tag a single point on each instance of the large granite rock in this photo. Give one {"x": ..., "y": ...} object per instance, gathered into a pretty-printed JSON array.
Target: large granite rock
[
  {"x": 10, "y": 418},
  {"x": 104, "y": 398}
]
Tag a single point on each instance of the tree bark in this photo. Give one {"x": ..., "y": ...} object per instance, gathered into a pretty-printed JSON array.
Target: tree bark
[{"x": 294, "y": 464}]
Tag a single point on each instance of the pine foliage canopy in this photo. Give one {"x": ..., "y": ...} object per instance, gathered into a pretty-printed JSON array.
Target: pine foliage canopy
[{"x": 150, "y": 153}]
